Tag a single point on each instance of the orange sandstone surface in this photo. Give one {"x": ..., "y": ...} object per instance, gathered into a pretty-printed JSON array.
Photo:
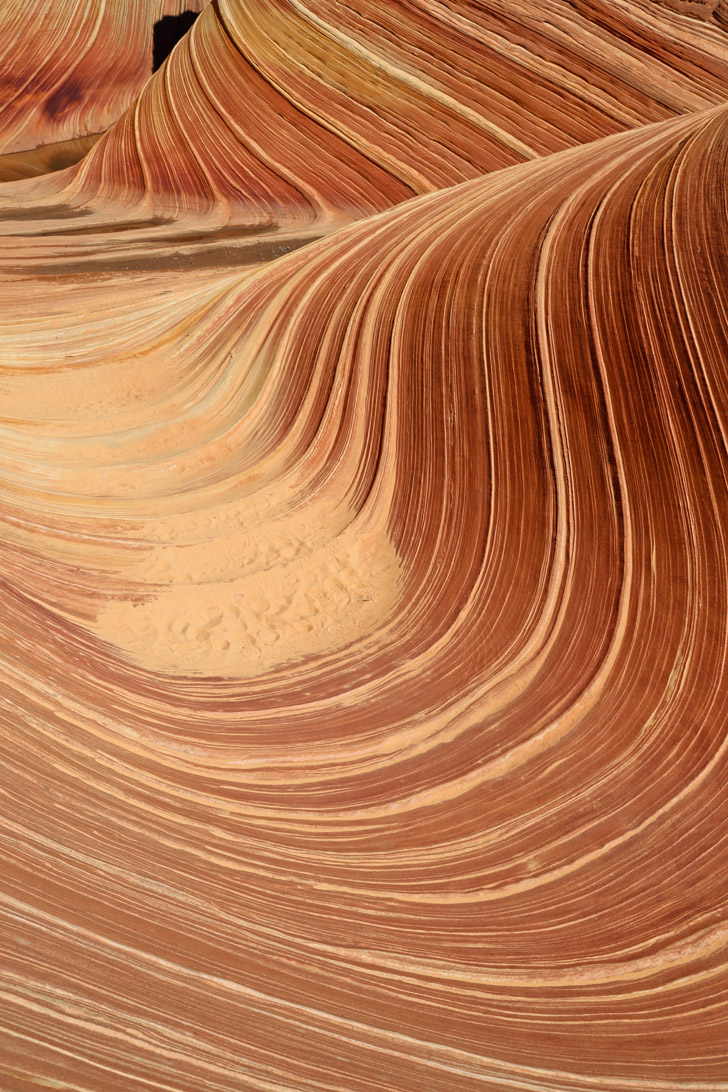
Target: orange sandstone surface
[
  {"x": 363, "y": 535},
  {"x": 70, "y": 68}
]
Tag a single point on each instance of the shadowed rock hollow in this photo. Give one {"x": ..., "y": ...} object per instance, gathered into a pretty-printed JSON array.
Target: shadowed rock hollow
[{"x": 169, "y": 30}]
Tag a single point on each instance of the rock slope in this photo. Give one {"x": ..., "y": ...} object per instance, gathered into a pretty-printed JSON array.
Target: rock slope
[{"x": 364, "y": 501}]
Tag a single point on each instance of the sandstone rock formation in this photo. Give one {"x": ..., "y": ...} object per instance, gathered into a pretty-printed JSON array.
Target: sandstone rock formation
[
  {"x": 70, "y": 68},
  {"x": 364, "y": 502}
]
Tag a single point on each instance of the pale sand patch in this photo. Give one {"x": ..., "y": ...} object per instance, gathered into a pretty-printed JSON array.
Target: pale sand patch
[{"x": 245, "y": 602}]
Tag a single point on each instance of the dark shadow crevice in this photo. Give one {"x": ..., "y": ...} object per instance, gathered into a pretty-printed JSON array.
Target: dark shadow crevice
[{"x": 169, "y": 30}]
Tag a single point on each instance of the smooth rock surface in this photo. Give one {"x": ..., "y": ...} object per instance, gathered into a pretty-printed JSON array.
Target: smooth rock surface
[{"x": 364, "y": 524}]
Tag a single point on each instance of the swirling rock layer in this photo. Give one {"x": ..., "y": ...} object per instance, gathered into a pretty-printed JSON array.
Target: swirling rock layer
[
  {"x": 364, "y": 686},
  {"x": 69, "y": 69}
]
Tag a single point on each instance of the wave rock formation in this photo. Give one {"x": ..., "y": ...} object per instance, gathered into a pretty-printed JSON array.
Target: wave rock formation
[
  {"x": 68, "y": 70},
  {"x": 364, "y": 508}
]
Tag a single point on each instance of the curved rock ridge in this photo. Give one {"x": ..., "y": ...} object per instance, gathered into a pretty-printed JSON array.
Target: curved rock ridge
[
  {"x": 363, "y": 537},
  {"x": 364, "y": 647},
  {"x": 70, "y": 68},
  {"x": 279, "y": 111}
]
